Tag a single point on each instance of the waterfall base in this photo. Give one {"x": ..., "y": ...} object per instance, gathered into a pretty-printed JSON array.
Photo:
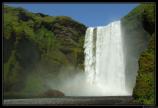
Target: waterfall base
[{"x": 111, "y": 100}]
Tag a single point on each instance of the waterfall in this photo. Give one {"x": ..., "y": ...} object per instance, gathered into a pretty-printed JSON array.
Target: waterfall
[
  {"x": 105, "y": 65},
  {"x": 104, "y": 59}
]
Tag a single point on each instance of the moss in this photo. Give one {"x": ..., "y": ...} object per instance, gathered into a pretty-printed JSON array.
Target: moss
[
  {"x": 144, "y": 15},
  {"x": 144, "y": 89},
  {"x": 36, "y": 43}
]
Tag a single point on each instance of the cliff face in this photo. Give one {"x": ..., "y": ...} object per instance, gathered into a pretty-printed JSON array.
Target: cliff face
[
  {"x": 34, "y": 43},
  {"x": 141, "y": 22}
]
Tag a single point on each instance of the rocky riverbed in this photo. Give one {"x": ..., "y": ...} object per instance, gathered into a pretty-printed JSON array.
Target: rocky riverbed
[{"x": 112, "y": 100}]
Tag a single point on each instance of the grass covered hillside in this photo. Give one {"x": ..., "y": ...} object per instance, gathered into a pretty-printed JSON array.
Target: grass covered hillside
[
  {"x": 144, "y": 89},
  {"x": 35, "y": 45}
]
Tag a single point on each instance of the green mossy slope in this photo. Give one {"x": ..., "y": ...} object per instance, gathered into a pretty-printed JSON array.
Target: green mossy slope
[
  {"x": 144, "y": 89},
  {"x": 35, "y": 44}
]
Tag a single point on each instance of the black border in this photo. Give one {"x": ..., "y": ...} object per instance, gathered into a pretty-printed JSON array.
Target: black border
[{"x": 93, "y": 2}]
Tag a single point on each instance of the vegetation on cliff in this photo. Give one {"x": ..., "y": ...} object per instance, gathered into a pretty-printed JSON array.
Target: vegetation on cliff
[
  {"x": 144, "y": 90},
  {"x": 35, "y": 45}
]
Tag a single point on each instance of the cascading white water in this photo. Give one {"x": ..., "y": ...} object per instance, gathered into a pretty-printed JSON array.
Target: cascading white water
[
  {"x": 105, "y": 65},
  {"x": 104, "y": 60}
]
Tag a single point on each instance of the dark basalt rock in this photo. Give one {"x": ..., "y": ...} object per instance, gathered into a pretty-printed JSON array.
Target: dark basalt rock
[{"x": 53, "y": 93}]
